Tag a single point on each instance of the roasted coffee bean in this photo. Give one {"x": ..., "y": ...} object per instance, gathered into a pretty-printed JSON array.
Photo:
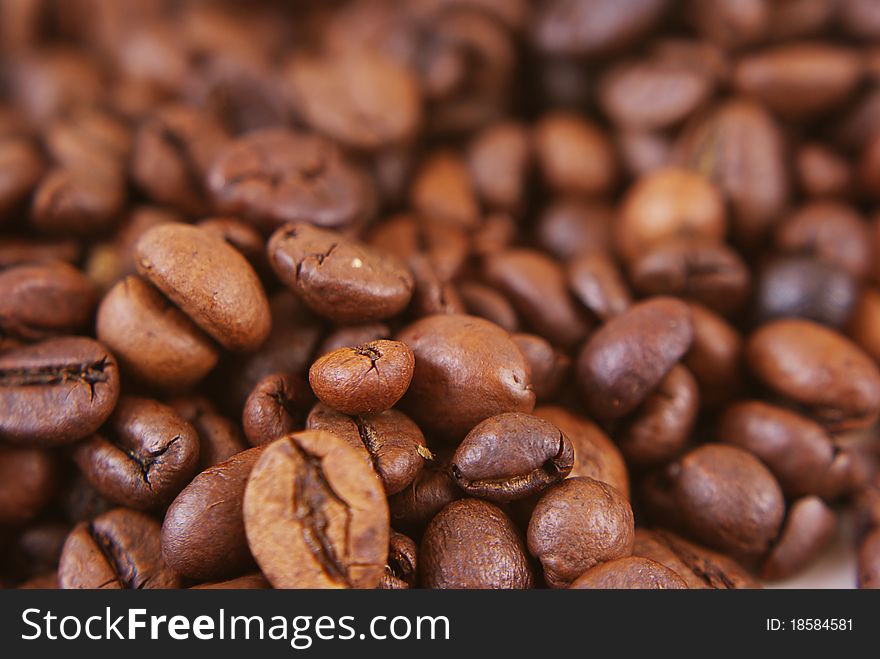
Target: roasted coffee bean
[
  {"x": 432, "y": 295},
  {"x": 390, "y": 441},
  {"x": 274, "y": 176},
  {"x": 596, "y": 282},
  {"x": 472, "y": 544},
  {"x": 401, "y": 569},
  {"x": 467, "y": 369},
  {"x": 443, "y": 192},
  {"x": 571, "y": 225},
  {"x": 577, "y": 524},
  {"x": 143, "y": 458},
  {"x": 276, "y": 407},
  {"x": 511, "y": 456},
  {"x": 715, "y": 357},
  {"x": 485, "y": 302},
  {"x": 118, "y": 550},
  {"x": 154, "y": 341},
  {"x": 573, "y": 155},
  {"x": 631, "y": 573},
  {"x": 337, "y": 277},
  {"x": 822, "y": 172},
  {"x": 37, "y": 548},
  {"x": 818, "y": 369},
  {"x": 41, "y": 301},
  {"x": 864, "y": 324},
  {"x": 498, "y": 159},
  {"x": 78, "y": 202},
  {"x": 797, "y": 450},
  {"x": 56, "y": 392},
  {"x": 809, "y": 526},
  {"x": 699, "y": 567},
  {"x": 869, "y": 561},
  {"x": 659, "y": 429},
  {"x": 548, "y": 366},
  {"x": 595, "y": 455},
  {"x": 315, "y": 514},
  {"x": 729, "y": 499},
  {"x": 804, "y": 287},
  {"x": 351, "y": 336},
  {"x": 668, "y": 203},
  {"x": 28, "y": 480},
  {"x": 219, "y": 437},
  {"x": 697, "y": 270},
  {"x": 367, "y": 379},
  {"x": 626, "y": 359},
  {"x": 203, "y": 532},
  {"x": 536, "y": 286},
  {"x": 209, "y": 280},
  {"x": 16, "y": 250},
  {"x": 416, "y": 505},
  {"x": 243, "y": 237},
  {"x": 247, "y": 582},
  {"x": 22, "y": 166}
]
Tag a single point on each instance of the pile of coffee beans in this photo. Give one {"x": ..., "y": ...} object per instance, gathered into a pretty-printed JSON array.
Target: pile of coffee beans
[{"x": 438, "y": 293}]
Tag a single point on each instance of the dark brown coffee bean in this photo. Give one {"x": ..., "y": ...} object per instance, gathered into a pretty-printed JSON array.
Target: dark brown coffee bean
[
  {"x": 276, "y": 407},
  {"x": 715, "y": 357},
  {"x": 120, "y": 549},
  {"x": 804, "y": 287},
  {"x": 173, "y": 149},
  {"x": 798, "y": 451},
  {"x": 417, "y": 504},
  {"x": 498, "y": 159},
  {"x": 571, "y": 225},
  {"x": 209, "y": 280},
  {"x": 817, "y": 368},
  {"x": 37, "y": 548},
  {"x": 669, "y": 203},
  {"x": 56, "y": 392},
  {"x": 511, "y": 456},
  {"x": 432, "y": 295},
  {"x": 315, "y": 514},
  {"x": 592, "y": 27},
  {"x": 247, "y": 582},
  {"x": 361, "y": 99},
  {"x": 78, "y": 202},
  {"x": 473, "y": 544},
  {"x": 661, "y": 426},
  {"x": 864, "y": 324},
  {"x": 41, "y": 301},
  {"x": 597, "y": 283},
  {"x": 730, "y": 23},
  {"x": 28, "y": 480},
  {"x": 143, "y": 458},
  {"x": 643, "y": 152},
  {"x": 367, "y": 379},
  {"x": 401, "y": 569},
  {"x": 337, "y": 277},
  {"x": 821, "y": 172},
  {"x": 697, "y": 270},
  {"x": 89, "y": 138},
  {"x": 799, "y": 80},
  {"x": 739, "y": 147},
  {"x": 486, "y": 302},
  {"x": 536, "y": 286},
  {"x": 154, "y": 341},
  {"x": 809, "y": 527},
  {"x": 869, "y": 561},
  {"x": 595, "y": 455},
  {"x": 243, "y": 237},
  {"x": 698, "y": 566},
  {"x": 574, "y": 155},
  {"x": 548, "y": 367},
  {"x": 467, "y": 369},
  {"x": 630, "y": 573},
  {"x": 729, "y": 499},
  {"x": 22, "y": 167},
  {"x": 442, "y": 191},
  {"x": 16, "y": 250},
  {"x": 577, "y": 524},
  {"x": 389, "y": 441},
  {"x": 351, "y": 336},
  {"x": 625, "y": 360},
  {"x": 219, "y": 437},
  {"x": 203, "y": 533},
  {"x": 274, "y": 176}
]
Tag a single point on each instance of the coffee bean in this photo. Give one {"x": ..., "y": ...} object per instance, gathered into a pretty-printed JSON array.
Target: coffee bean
[
  {"x": 809, "y": 527},
  {"x": 597, "y": 283},
  {"x": 41, "y": 301},
  {"x": 339, "y": 278},
  {"x": 209, "y": 280},
  {"x": 27, "y": 483},
  {"x": 467, "y": 369},
  {"x": 401, "y": 569},
  {"x": 406, "y": 237},
  {"x": 574, "y": 155},
  {"x": 274, "y": 176},
  {"x": 203, "y": 533},
  {"x": 244, "y": 238},
  {"x": 247, "y": 582},
  {"x": 548, "y": 366},
  {"x": 511, "y": 456},
  {"x": 15, "y": 250},
  {"x": 715, "y": 357},
  {"x": 729, "y": 499},
  {"x": 571, "y": 225},
  {"x": 577, "y": 524},
  {"x": 275, "y": 407},
  {"x": 417, "y": 504},
  {"x": 443, "y": 192},
  {"x": 485, "y": 302},
  {"x": 595, "y": 455},
  {"x": 120, "y": 549},
  {"x": 367, "y": 379},
  {"x": 22, "y": 167},
  {"x": 869, "y": 561},
  {"x": 351, "y": 336},
  {"x": 219, "y": 437},
  {"x": 822, "y": 172},
  {"x": 56, "y": 392},
  {"x": 627, "y": 358},
  {"x": 498, "y": 160},
  {"x": 78, "y": 202},
  {"x": 389, "y": 441},
  {"x": 473, "y": 544},
  {"x": 154, "y": 341},
  {"x": 315, "y": 514},
  {"x": 630, "y": 573},
  {"x": 817, "y": 368}
]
